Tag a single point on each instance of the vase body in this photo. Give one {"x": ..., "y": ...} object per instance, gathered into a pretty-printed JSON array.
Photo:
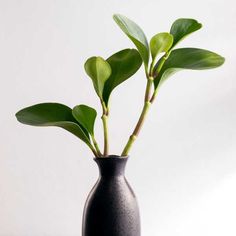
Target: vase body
[{"x": 111, "y": 208}]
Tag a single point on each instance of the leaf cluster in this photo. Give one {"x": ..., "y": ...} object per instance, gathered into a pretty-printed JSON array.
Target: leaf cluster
[{"x": 160, "y": 58}]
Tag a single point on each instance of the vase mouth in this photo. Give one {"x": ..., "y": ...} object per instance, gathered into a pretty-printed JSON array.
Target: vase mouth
[
  {"x": 111, "y": 165},
  {"x": 110, "y": 157}
]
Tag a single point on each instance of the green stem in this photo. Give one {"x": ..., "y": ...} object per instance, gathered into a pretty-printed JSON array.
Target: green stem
[
  {"x": 154, "y": 95},
  {"x": 151, "y": 68},
  {"x": 96, "y": 145},
  {"x": 148, "y": 88},
  {"x": 137, "y": 129},
  {"x": 142, "y": 117},
  {"x": 105, "y": 128},
  {"x": 147, "y": 103},
  {"x": 160, "y": 65},
  {"x": 93, "y": 150}
]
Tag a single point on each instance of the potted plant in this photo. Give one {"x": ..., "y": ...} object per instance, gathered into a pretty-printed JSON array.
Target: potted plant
[{"x": 111, "y": 208}]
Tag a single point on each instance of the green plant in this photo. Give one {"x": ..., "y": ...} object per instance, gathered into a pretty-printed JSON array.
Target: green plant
[{"x": 109, "y": 73}]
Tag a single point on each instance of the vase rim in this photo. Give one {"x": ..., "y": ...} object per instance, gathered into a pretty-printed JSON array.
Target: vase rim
[{"x": 111, "y": 157}]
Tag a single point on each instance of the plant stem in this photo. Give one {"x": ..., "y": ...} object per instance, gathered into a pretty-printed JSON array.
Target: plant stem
[
  {"x": 105, "y": 128},
  {"x": 158, "y": 69},
  {"x": 93, "y": 150},
  {"x": 104, "y": 121},
  {"x": 147, "y": 101},
  {"x": 142, "y": 117},
  {"x": 148, "y": 89},
  {"x": 96, "y": 145},
  {"x": 137, "y": 129},
  {"x": 154, "y": 95}
]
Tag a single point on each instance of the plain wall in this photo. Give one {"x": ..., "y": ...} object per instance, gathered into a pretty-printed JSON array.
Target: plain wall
[{"x": 183, "y": 166}]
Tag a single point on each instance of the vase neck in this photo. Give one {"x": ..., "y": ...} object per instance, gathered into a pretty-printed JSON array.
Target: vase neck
[{"x": 111, "y": 166}]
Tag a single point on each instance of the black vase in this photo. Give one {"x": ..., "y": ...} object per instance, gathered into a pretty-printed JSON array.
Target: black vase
[{"x": 111, "y": 208}]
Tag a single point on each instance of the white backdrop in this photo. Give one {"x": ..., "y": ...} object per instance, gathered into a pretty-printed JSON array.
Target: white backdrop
[{"x": 182, "y": 167}]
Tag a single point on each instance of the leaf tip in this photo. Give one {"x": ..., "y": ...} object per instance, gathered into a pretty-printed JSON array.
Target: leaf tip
[
  {"x": 222, "y": 60},
  {"x": 17, "y": 115},
  {"x": 116, "y": 16},
  {"x": 200, "y": 25}
]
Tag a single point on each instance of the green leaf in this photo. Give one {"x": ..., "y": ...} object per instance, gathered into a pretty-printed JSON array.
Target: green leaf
[
  {"x": 183, "y": 27},
  {"x": 188, "y": 58},
  {"x": 159, "y": 43},
  {"x": 85, "y": 116},
  {"x": 136, "y": 34},
  {"x": 52, "y": 114},
  {"x": 99, "y": 71},
  {"x": 124, "y": 64}
]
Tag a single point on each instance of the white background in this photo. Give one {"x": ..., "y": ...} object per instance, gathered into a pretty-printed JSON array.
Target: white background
[{"x": 182, "y": 167}]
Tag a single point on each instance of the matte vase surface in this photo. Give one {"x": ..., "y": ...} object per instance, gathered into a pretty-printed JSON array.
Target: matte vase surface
[{"x": 111, "y": 208}]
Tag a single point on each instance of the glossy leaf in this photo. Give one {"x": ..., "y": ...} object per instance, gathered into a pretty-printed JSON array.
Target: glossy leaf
[
  {"x": 85, "y": 116},
  {"x": 124, "y": 64},
  {"x": 99, "y": 71},
  {"x": 52, "y": 114},
  {"x": 136, "y": 34},
  {"x": 183, "y": 27},
  {"x": 159, "y": 43},
  {"x": 188, "y": 58}
]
